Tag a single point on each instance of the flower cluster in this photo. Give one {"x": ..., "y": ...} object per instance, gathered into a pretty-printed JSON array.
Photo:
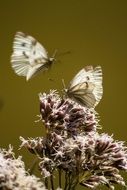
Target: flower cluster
[
  {"x": 13, "y": 175},
  {"x": 73, "y": 147},
  {"x": 65, "y": 115},
  {"x": 91, "y": 159}
]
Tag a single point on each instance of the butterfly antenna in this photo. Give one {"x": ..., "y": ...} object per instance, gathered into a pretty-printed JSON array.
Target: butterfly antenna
[
  {"x": 64, "y": 53},
  {"x": 55, "y": 52},
  {"x": 63, "y": 82},
  {"x": 64, "y": 91}
]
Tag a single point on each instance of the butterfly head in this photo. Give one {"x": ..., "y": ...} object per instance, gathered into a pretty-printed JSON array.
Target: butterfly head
[
  {"x": 52, "y": 59},
  {"x": 65, "y": 93},
  {"x": 65, "y": 90}
]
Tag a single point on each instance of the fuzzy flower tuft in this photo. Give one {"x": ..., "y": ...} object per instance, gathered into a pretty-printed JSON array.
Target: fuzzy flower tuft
[
  {"x": 106, "y": 158},
  {"x": 13, "y": 175},
  {"x": 65, "y": 115},
  {"x": 91, "y": 159}
]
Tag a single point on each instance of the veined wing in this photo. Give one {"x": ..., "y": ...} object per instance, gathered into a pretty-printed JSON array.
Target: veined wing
[
  {"x": 82, "y": 76},
  {"x": 86, "y": 86},
  {"x": 28, "y": 55},
  {"x": 82, "y": 93}
]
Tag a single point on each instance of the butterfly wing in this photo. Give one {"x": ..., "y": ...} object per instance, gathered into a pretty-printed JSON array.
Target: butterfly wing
[
  {"x": 86, "y": 87},
  {"x": 28, "y": 55}
]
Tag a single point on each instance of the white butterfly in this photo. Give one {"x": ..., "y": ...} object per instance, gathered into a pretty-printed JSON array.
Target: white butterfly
[
  {"x": 29, "y": 56},
  {"x": 86, "y": 87}
]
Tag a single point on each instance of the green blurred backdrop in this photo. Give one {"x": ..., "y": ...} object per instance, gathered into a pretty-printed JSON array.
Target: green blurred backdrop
[{"x": 94, "y": 31}]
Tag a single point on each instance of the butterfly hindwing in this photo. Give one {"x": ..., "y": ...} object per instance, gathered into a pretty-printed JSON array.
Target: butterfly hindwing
[
  {"x": 28, "y": 56},
  {"x": 86, "y": 99}
]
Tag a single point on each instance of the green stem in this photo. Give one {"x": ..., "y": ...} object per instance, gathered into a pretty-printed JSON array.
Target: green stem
[
  {"x": 60, "y": 185},
  {"x": 46, "y": 183},
  {"x": 73, "y": 181},
  {"x": 66, "y": 181},
  {"x": 33, "y": 166},
  {"x": 51, "y": 181}
]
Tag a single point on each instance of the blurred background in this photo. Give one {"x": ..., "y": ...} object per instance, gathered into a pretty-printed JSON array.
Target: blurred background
[{"x": 95, "y": 33}]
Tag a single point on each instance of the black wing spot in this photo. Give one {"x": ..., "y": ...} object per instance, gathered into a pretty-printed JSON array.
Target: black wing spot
[
  {"x": 34, "y": 52},
  {"x": 25, "y": 54},
  {"x": 88, "y": 78},
  {"x": 23, "y": 44}
]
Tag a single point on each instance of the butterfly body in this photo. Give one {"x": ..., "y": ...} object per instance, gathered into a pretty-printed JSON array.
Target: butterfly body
[
  {"x": 35, "y": 69},
  {"x": 29, "y": 57},
  {"x": 86, "y": 87}
]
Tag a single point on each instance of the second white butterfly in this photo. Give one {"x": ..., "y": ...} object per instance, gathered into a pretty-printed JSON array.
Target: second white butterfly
[
  {"x": 86, "y": 87},
  {"x": 29, "y": 57}
]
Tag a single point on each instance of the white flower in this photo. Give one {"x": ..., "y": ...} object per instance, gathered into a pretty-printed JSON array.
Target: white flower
[{"x": 13, "y": 175}]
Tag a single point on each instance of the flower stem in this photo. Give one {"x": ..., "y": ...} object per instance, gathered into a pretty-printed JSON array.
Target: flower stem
[
  {"x": 66, "y": 180},
  {"x": 60, "y": 185},
  {"x": 46, "y": 183},
  {"x": 51, "y": 181},
  {"x": 33, "y": 166}
]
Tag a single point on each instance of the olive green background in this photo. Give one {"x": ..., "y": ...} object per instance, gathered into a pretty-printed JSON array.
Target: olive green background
[{"x": 95, "y": 32}]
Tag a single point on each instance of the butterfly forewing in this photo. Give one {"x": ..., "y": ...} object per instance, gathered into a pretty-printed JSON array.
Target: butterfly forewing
[
  {"x": 86, "y": 86},
  {"x": 78, "y": 79},
  {"x": 28, "y": 56}
]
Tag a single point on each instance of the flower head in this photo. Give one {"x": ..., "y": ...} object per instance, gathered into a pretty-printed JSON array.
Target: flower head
[
  {"x": 91, "y": 159},
  {"x": 65, "y": 115},
  {"x": 13, "y": 175},
  {"x": 106, "y": 158}
]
